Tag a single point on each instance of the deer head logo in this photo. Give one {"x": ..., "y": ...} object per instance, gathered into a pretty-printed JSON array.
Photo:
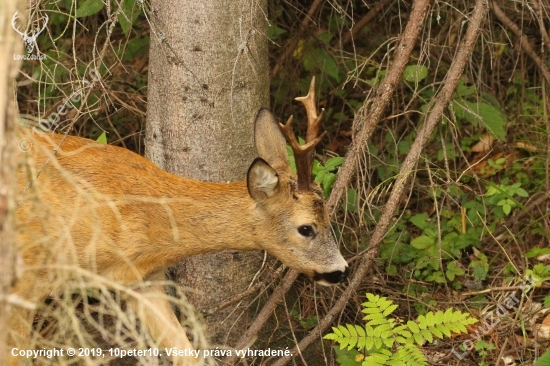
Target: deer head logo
[{"x": 30, "y": 40}]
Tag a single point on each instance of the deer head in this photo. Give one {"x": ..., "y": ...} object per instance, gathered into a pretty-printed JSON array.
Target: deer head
[
  {"x": 29, "y": 40},
  {"x": 295, "y": 205}
]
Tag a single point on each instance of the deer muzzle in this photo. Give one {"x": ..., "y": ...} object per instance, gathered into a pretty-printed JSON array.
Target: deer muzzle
[{"x": 331, "y": 278}]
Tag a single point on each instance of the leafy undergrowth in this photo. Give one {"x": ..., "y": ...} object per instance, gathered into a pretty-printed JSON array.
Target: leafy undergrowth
[{"x": 472, "y": 227}]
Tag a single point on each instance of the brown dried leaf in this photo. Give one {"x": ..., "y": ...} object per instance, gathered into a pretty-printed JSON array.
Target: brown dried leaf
[{"x": 484, "y": 144}]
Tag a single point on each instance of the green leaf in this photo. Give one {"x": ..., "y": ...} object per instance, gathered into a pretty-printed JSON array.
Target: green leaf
[
  {"x": 89, "y": 7},
  {"x": 422, "y": 242},
  {"x": 328, "y": 182},
  {"x": 418, "y": 338},
  {"x": 413, "y": 326},
  {"x": 334, "y": 162},
  {"x": 415, "y": 73},
  {"x": 136, "y": 47},
  {"x": 273, "y": 32},
  {"x": 328, "y": 65},
  {"x": 482, "y": 112},
  {"x": 544, "y": 360},
  {"x": 522, "y": 192},
  {"x": 427, "y": 335},
  {"x": 351, "y": 200},
  {"x": 291, "y": 159},
  {"x": 453, "y": 270},
  {"x": 435, "y": 331},
  {"x": 443, "y": 329},
  {"x": 420, "y": 220},
  {"x": 390, "y": 309},
  {"x": 506, "y": 208},
  {"x": 535, "y": 252},
  {"x": 320, "y": 175},
  {"x": 465, "y": 90},
  {"x": 128, "y": 15},
  {"x": 493, "y": 119},
  {"x": 102, "y": 138}
]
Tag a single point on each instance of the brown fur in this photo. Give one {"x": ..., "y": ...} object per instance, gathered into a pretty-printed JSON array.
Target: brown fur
[{"x": 112, "y": 212}]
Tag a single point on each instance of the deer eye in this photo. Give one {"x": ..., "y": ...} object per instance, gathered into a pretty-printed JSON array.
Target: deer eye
[{"x": 306, "y": 230}]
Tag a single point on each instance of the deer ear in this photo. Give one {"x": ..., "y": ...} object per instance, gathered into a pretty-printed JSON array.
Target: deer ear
[
  {"x": 262, "y": 180},
  {"x": 270, "y": 142}
]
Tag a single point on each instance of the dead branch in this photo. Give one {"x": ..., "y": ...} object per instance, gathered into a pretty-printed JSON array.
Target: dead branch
[
  {"x": 441, "y": 101},
  {"x": 408, "y": 40},
  {"x": 524, "y": 42},
  {"x": 291, "y": 44},
  {"x": 538, "y": 8},
  {"x": 369, "y": 118},
  {"x": 364, "y": 21}
]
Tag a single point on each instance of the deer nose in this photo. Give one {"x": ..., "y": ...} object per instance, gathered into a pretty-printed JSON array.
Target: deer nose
[{"x": 332, "y": 277}]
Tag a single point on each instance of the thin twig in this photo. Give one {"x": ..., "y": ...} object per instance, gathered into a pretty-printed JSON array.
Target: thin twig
[
  {"x": 369, "y": 118},
  {"x": 250, "y": 334},
  {"x": 441, "y": 101},
  {"x": 373, "y": 12},
  {"x": 404, "y": 50},
  {"x": 524, "y": 42},
  {"x": 249, "y": 291},
  {"x": 538, "y": 8},
  {"x": 291, "y": 44}
]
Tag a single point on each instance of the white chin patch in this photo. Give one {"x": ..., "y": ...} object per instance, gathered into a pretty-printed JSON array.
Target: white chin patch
[{"x": 325, "y": 283}]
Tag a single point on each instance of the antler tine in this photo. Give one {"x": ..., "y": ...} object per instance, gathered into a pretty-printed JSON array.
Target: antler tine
[
  {"x": 301, "y": 153},
  {"x": 313, "y": 120}
]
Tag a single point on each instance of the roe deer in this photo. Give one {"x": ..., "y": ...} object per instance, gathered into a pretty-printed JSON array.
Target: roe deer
[{"x": 112, "y": 212}]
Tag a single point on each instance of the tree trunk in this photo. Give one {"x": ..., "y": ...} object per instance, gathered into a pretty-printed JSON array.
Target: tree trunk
[
  {"x": 10, "y": 44},
  {"x": 207, "y": 79}
]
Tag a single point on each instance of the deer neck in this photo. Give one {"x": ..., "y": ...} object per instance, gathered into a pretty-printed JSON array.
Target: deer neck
[{"x": 204, "y": 218}]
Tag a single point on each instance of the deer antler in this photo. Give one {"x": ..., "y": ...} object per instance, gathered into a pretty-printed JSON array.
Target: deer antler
[{"x": 303, "y": 154}]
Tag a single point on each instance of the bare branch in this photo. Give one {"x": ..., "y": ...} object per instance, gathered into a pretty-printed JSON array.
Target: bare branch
[
  {"x": 524, "y": 42},
  {"x": 441, "y": 101},
  {"x": 372, "y": 14},
  {"x": 410, "y": 35},
  {"x": 370, "y": 117},
  {"x": 291, "y": 44}
]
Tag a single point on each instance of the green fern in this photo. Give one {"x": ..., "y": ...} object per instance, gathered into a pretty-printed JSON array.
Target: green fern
[
  {"x": 544, "y": 360},
  {"x": 381, "y": 341}
]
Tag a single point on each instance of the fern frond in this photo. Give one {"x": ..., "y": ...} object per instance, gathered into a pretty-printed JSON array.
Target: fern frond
[
  {"x": 348, "y": 336},
  {"x": 544, "y": 360},
  {"x": 439, "y": 324},
  {"x": 407, "y": 355},
  {"x": 377, "y": 307},
  {"x": 379, "y": 358},
  {"x": 376, "y": 340}
]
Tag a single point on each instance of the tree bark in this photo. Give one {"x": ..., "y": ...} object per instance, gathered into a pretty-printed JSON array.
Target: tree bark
[
  {"x": 207, "y": 79},
  {"x": 10, "y": 44}
]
